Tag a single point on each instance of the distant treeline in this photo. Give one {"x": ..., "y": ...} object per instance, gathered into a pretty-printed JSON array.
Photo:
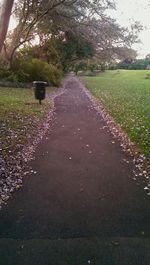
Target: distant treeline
[{"x": 137, "y": 64}]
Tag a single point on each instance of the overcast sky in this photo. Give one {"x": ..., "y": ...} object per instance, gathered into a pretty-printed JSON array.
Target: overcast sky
[{"x": 128, "y": 11}]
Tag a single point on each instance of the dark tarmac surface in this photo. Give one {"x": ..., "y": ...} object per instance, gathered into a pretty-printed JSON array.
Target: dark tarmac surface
[{"x": 82, "y": 206}]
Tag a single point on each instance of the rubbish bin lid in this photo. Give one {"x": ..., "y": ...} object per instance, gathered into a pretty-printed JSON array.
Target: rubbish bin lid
[{"x": 40, "y": 82}]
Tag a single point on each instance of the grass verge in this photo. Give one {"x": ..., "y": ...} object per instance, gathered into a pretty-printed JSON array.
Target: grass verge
[
  {"x": 20, "y": 117},
  {"x": 126, "y": 96}
]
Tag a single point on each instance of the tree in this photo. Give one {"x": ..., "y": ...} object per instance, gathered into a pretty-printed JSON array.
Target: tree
[
  {"x": 127, "y": 55},
  {"x": 138, "y": 64},
  {"x": 28, "y": 13},
  {"x": 86, "y": 20},
  {"x": 91, "y": 64},
  {"x": 72, "y": 48},
  {"x": 41, "y": 16},
  {"x": 5, "y": 13}
]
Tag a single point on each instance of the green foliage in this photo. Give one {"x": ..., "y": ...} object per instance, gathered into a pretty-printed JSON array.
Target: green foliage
[
  {"x": 112, "y": 66},
  {"x": 80, "y": 29},
  {"x": 73, "y": 48},
  {"x": 80, "y": 66},
  {"x": 126, "y": 96},
  {"x": 13, "y": 77},
  {"x": 139, "y": 64},
  {"x": 35, "y": 69},
  {"x": 88, "y": 66},
  {"x": 42, "y": 71},
  {"x": 27, "y": 66},
  {"x": 4, "y": 73},
  {"x": 45, "y": 52},
  {"x": 49, "y": 52}
]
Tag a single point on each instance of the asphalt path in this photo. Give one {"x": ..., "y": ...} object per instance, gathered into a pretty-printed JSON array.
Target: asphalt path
[{"x": 82, "y": 206}]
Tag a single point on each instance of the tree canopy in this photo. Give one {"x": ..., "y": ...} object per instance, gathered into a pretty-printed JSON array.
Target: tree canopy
[{"x": 70, "y": 30}]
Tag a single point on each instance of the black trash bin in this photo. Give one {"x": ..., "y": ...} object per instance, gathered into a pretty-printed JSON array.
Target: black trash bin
[{"x": 39, "y": 90}]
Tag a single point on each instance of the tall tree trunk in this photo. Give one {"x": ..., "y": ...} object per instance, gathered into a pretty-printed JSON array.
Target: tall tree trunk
[{"x": 5, "y": 13}]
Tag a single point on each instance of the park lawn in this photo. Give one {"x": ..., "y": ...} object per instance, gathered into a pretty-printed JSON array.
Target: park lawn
[
  {"x": 20, "y": 117},
  {"x": 126, "y": 96}
]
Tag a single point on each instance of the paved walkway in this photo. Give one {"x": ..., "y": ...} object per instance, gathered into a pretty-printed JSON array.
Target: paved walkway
[{"x": 82, "y": 206}]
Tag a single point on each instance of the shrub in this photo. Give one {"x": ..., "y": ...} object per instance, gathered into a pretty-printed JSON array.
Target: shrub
[
  {"x": 13, "y": 77},
  {"x": 112, "y": 67},
  {"x": 42, "y": 71},
  {"x": 4, "y": 73}
]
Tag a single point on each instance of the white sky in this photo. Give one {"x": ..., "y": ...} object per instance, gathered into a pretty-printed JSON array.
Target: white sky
[{"x": 128, "y": 11}]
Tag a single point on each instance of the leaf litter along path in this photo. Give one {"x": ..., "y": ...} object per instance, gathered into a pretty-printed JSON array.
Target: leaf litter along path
[{"x": 82, "y": 206}]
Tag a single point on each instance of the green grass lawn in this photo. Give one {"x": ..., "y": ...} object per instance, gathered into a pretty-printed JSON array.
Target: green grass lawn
[
  {"x": 20, "y": 116},
  {"x": 126, "y": 96}
]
